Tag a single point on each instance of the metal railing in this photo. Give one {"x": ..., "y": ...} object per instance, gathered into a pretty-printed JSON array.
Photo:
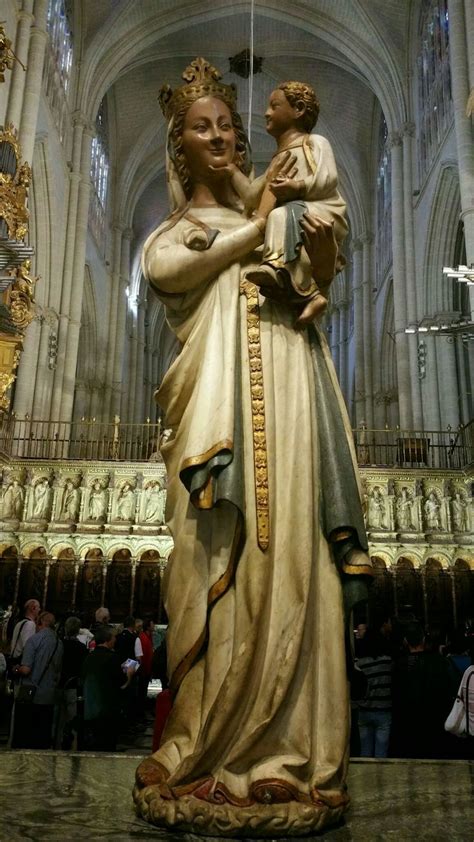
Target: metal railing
[
  {"x": 438, "y": 449},
  {"x": 87, "y": 440},
  {"x": 98, "y": 441}
]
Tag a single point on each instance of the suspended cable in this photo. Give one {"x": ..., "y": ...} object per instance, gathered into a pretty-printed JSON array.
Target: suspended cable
[{"x": 252, "y": 16}]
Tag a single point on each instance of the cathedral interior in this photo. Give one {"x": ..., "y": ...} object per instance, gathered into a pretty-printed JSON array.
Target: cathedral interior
[
  {"x": 84, "y": 339},
  {"x": 84, "y": 342}
]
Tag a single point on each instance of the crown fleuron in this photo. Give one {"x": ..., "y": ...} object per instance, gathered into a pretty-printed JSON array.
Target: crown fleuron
[{"x": 202, "y": 79}]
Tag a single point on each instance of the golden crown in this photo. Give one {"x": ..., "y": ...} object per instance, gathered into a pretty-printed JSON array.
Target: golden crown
[{"x": 202, "y": 80}]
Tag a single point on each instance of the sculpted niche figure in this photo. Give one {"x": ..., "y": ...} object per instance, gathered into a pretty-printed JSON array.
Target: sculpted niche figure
[
  {"x": 13, "y": 501},
  {"x": 97, "y": 501},
  {"x": 404, "y": 510},
  {"x": 41, "y": 499},
  {"x": 432, "y": 512},
  {"x": 259, "y": 450},
  {"x": 71, "y": 501},
  {"x": 377, "y": 509},
  {"x": 154, "y": 505},
  {"x": 126, "y": 502},
  {"x": 459, "y": 509}
]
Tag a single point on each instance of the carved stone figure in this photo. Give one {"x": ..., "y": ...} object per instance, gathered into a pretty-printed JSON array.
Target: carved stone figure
[
  {"x": 97, "y": 501},
  {"x": 13, "y": 501},
  {"x": 70, "y": 502},
  {"x": 126, "y": 502},
  {"x": 404, "y": 511},
  {"x": 93, "y": 580},
  {"x": 41, "y": 499},
  {"x": 154, "y": 503},
  {"x": 459, "y": 509},
  {"x": 242, "y": 413},
  {"x": 432, "y": 512},
  {"x": 377, "y": 509}
]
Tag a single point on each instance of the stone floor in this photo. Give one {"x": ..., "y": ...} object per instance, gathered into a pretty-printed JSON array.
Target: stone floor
[{"x": 61, "y": 797}]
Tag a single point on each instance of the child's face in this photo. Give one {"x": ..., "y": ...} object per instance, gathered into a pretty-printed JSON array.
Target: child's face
[{"x": 280, "y": 115}]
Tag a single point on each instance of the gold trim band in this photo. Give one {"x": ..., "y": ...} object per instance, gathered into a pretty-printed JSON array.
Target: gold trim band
[
  {"x": 201, "y": 458},
  {"x": 257, "y": 401}
]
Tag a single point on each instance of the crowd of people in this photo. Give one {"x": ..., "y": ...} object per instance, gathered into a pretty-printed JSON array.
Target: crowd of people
[
  {"x": 403, "y": 687},
  {"x": 80, "y": 687},
  {"x": 74, "y": 686}
]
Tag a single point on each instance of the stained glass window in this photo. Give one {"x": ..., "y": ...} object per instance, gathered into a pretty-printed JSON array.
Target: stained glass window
[
  {"x": 384, "y": 202},
  {"x": 435, "y": 108},
  {"x": 99, "y": 173},
  {"x": 58, "y": 63}
]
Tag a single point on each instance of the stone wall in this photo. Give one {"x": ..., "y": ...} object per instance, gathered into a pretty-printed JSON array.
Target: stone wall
[{"x": 78, "y": 534}]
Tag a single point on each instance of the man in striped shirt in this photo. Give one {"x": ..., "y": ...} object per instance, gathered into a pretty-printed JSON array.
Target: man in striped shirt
[{"x": 375, "y": 710}]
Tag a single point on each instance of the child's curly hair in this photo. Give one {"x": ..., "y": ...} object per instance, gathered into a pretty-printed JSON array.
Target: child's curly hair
[{"x": 298, "y": 94}]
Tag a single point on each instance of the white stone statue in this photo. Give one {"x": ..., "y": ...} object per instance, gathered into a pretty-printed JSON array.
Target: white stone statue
[
  {"x": 249, "y": 458},
  {"x": 41, "y": 499},
  {"x": 70, "y": 502},
  {"x": 13, "y": 501},
  {"x": 460, "y": 515},
  {"x": 377, "y": 509},
  {"x": 432, "y": 511},
  {"x": 126, "y": 502},
  {"x": 154, "y": 503},
  {"x": 97, "y": 501},
  {"x": 404, "y": 510}
]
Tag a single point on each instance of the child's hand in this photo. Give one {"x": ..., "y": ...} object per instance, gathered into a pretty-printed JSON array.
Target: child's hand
[
  {"x": 283, "y": 166},
  {"x": 229, "y": 169},
  {"x": 287, "y": 189}
]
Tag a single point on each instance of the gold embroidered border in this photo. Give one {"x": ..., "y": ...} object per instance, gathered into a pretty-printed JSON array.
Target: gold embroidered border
[
  {"x": 257, "y": 401},
  {"x": 357, "y": 569},
  {"x": 201, "y": 458}
]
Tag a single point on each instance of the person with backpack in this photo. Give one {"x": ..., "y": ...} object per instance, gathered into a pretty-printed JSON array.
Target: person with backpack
[
  {"x": 40, "y": 671},
  {"x": 23, "y": 630}
]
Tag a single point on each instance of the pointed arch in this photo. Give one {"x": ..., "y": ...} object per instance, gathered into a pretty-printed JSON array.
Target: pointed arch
[
  {"x": 86, "y": 372},
  {"x": 441, "y": 242}
]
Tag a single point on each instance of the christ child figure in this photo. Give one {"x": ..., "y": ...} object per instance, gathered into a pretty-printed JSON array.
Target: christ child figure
[{"x": 303, "y": 178}]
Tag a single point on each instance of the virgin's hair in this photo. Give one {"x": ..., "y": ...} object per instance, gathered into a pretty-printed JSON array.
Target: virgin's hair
[
  {"x": 242, "y": 149},
  {"x": 299, "y": 93}
]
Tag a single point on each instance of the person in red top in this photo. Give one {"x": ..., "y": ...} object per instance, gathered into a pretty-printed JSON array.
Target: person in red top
[{"x": 144, "y": 673}]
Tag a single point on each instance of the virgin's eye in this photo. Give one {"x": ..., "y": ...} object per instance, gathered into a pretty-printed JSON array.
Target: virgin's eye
[{"x": 200, "y": 127}]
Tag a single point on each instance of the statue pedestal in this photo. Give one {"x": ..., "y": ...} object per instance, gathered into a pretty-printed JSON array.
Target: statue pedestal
[
  {"x": 150, "y": 529},
  {"x": 407, "y": 537},
  {"x": 34, "y": 526},
  {"x": 257, "y": 820},
  {"x": 93, "y": 528},
  {"x": 439, "y": 537},
  {"x": 118, "y": 527},
  {"x": 63, "y": 526}
]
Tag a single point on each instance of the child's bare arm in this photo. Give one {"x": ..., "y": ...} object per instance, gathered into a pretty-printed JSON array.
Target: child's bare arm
[{"x": 249, "y": 191}]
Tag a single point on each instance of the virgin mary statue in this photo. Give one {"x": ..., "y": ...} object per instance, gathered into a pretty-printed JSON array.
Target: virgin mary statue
[{"x": 263, "y": 504}]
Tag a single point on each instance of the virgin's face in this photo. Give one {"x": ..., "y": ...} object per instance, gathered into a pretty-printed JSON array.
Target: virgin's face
[{"x": 208, "y": 138}]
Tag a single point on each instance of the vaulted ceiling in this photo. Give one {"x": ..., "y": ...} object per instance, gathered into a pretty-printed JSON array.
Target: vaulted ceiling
[{"x": 353, "y": 51}]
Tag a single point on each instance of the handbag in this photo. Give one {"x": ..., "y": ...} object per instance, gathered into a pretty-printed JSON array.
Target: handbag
[
  {"x": 25, "y": 693},
  {"x": 457, "y": 722}
]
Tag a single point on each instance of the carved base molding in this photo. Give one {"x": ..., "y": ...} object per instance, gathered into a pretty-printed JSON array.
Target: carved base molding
[{"x": 191, "y": 815}]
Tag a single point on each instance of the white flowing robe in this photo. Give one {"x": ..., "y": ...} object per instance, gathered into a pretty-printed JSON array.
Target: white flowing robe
[{"x": 262, "y": 674}]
